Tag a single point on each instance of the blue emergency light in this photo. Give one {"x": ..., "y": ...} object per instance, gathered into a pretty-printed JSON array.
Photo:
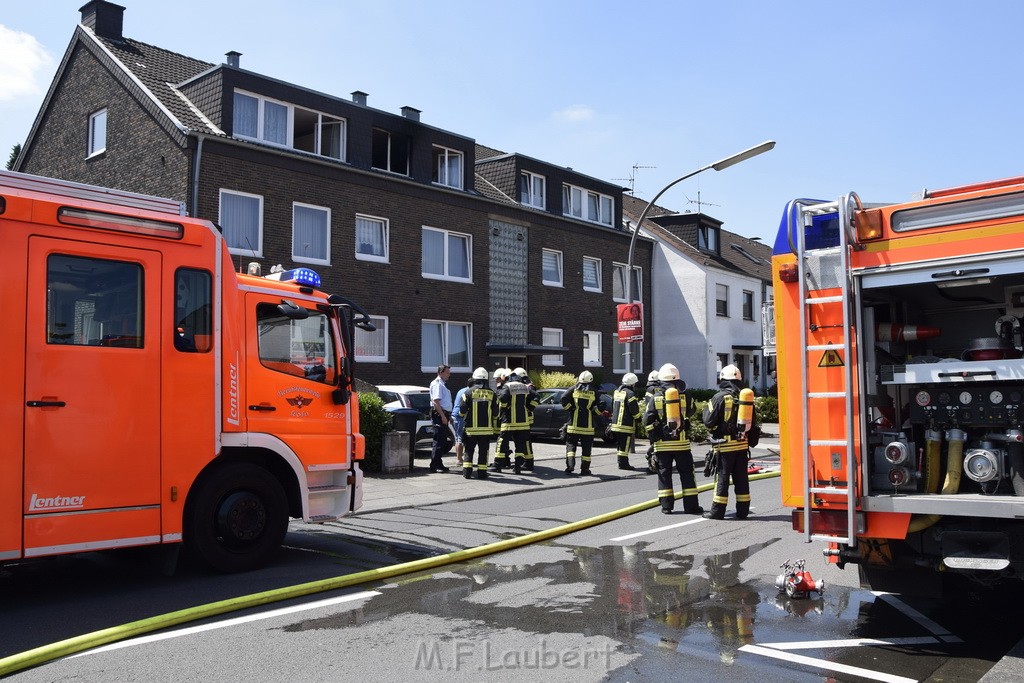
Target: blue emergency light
[{"x": 300, "y": 276}]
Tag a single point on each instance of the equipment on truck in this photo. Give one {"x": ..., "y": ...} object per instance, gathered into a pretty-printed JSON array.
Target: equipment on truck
[
  {"x": 898, "y": 328},
  {"x": 151, "y": 395}
]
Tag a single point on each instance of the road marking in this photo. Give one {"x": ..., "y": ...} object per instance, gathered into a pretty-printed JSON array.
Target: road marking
[
  {"x": 658, "y": 530},
  {"x": 851, "y": 642},
  {"x": 230, "y": 622},
  {"x": 939, "y": 631},
  {"x": 825, "y": 664}
]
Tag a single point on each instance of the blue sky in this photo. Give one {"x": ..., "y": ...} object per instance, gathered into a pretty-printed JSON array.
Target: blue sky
[{"x": 883, "y": 98}]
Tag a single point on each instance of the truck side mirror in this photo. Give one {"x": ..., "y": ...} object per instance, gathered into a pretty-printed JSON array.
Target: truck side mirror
[{"x": 341, "y": 395}]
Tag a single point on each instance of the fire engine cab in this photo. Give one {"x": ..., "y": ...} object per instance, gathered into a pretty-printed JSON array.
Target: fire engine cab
[
  {"x": 901, "y": 381},
  {"x": 151, "y": 395}
]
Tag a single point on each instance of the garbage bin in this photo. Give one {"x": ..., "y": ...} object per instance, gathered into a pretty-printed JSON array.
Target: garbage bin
[{"x": 404, "y": 420}]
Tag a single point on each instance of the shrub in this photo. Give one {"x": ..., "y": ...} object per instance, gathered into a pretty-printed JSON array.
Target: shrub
[
  {"x": 374, "y": 421},
  {"x": 767, "y": 408},
  {"x": 553, "y": 380}
]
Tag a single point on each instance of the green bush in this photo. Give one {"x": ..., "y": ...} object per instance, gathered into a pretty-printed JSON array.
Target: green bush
[
  {"x": 767, "y": 408},
  {"x": 553, "y": 380},
  {"x": 374, "y": 422}
]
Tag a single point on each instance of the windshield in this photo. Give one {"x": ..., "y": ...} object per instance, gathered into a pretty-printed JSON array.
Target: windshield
[{"x": 304, "y": 348}]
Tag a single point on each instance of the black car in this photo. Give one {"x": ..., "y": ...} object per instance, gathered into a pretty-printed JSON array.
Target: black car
[{"x": 549, "y": 416}]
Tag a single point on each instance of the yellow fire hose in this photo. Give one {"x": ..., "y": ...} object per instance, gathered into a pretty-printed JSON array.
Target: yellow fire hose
[{"x": 88, "y": 641}]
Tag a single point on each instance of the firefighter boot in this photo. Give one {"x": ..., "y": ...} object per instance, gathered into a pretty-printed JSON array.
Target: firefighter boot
[
  {"x": 717, "y": 511},
  {"x": 570, "y": 463},
  {"x": 691, "y": 506},
  {"x": 481, "y": 472},
  {"x": 667, "y": 500},
  {"x": 624, "y": 463},
  {"x": 467, "y": 469},
  {"x": 519, "y": 464},
  {"x": 528, "y": 463},
  {"x": 585, "y": 466}
]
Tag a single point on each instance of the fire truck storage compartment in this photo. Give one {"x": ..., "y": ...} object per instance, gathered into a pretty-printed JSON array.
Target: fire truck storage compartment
[{"x": 943, "y": 363}]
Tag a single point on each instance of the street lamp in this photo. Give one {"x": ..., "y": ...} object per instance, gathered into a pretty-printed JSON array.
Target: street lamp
[{"x": 718, "y": 166}]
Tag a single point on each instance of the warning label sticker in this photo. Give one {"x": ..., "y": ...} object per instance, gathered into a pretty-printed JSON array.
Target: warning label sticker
[{"x": 830, "y": 359}]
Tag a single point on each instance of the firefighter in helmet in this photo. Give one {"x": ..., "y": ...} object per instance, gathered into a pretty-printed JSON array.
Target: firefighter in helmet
[
  {"x": 478, "y": 409},
  {"x": 516, "y": 402},
  {"x": 730, "y": 450},
  {"x": 668, "y": 425},
  {"x": 649, "y": 391},
  {"x": 501, "y": 459},
  {"x": 581, "y": 404},
  {"x": 625, "y": 414}
]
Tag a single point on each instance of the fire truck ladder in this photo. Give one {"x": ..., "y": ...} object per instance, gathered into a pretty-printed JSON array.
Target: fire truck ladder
[{"x": 801, "y": 215}]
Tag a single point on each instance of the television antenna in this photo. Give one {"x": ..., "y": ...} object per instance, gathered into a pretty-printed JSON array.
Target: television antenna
[
  {"x": 699, "y": 201},
  {"x": 632, "y": 177}
]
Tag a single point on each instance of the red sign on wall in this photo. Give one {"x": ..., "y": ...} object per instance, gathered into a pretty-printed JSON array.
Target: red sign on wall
[{"x": 631, "y": 322}]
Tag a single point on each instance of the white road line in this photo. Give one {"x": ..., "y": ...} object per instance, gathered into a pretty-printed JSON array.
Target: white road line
[
  {"x": 658, "y": 530},
  {"x": 939, "y": 631},
  {"x": 230, "y": 622},
  {"x": 826, "y": 665},
  {"x": 851, "y": 642}
]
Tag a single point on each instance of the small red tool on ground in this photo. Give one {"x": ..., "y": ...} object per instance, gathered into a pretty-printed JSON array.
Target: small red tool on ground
[{"x": 796, "y": 581}]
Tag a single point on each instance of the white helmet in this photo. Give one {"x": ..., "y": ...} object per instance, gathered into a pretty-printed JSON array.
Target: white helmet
[
  {"x": 652, "y": 376},
  {"x": 668, "y": 373},
  {"x": 731, "y": 372},
  {"x": 521, "y": 372},
  {"x": 586, "y": 377},
  {"x": 629, "y": 379},
  {"x": 501, "y": 373},
  {"x": 480, "y": 373}
]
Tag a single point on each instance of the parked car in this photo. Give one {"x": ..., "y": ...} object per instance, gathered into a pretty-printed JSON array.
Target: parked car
[
  {"x": 398, "y": 396},
  {"x": 549, "y": 416}
]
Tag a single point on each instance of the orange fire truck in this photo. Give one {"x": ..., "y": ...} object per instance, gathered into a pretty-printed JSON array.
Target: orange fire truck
[
  {"x": 901, "y": 382},
  {"x": 151, "y": 395}
]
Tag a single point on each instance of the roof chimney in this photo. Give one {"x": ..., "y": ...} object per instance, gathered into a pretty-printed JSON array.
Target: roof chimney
[
  {"x": 104, "y": 18},
  {"x": 411, "y": 113},
  {"x": 359, "y": 97},
  {"x": 233, "y": 58}
]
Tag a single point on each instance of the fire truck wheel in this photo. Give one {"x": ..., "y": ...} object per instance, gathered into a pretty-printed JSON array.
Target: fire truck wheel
[{"x": 237, "y": 519}]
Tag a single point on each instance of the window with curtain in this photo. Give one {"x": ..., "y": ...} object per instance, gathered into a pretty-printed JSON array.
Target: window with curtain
[
  {"x": 311, "y": 229},
  {"x": 591, "y": 348},
  {"x": 551, "y": 267},
  {"x": 591, "y": 206},
  {"x": 552, "y": 337},
  {"x": 591, "y": 274},
  {"x": 372, "y": 347},
  {"x": 371, "y": 238},
  {"x": 619, "y": 283},
  {"x": 446, "y": 255},
  {"x": 447, "y": 167},
  {"x": 241, "y": 221},
  {"x": 275, "y": 123},
  {"x": 722, "y": 300},
  {"x": 531, "y": 189},
  {"x": 446, "y": 342},
  {"x": 245, "y": 120}
]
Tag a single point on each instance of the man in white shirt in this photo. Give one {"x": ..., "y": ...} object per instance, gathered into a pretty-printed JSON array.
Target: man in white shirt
[{"x": 441, "y": 416}]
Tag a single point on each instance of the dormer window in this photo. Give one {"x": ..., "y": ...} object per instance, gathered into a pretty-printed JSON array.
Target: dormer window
[
  {"x": 531, "y": 189},
  {"x": 587, "y": 205},
  {"x": 279, "y": 123},
  {"x": 707, "y": 238},
  {"x": 390, "y": 151},
  {"x": 448, "y": 167}
]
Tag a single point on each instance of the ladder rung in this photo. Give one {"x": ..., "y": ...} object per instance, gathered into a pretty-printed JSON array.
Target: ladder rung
[
  {"x": 829, "y": 442},
  {"x": 832, "y": 539},
  {"x": 823, "y": 299},
  {"x": 827, "y": 394},
  {"x": 831, "y": 491},
  {"x": 824, "y": 347}
]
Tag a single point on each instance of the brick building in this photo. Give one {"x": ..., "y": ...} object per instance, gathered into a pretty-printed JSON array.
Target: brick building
[{"x": 462, "y": 254}]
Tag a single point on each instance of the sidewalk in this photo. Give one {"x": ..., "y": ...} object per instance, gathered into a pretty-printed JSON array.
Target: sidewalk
[{"x": 422, "y": 487}]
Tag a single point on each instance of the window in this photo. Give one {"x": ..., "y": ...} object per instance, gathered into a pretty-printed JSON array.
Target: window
[
  {"x": 448, "y": 343},
  {"x": 707, "y": 238},
  {"x": 591, "y": 348},
  {"x": 279, "y": 123},
  {"x": 371, "y": 238},
  {"x": 723, "y": 360},
  {"x": 748, "y": 305},
  {"x": 93, "y": 302},
  {"x": 722, "y": 300},
  {"x": 241, "y": 221},
  {"x": 531, "y": 189},
  {"x": 303, "y": 348},
  {"x": 372, "y": 347},
  {"x": 619, "y": 283},
  {"x": 551, "y": 267},
  {"x": 552, "y": 336},
  {"x": 390, "y": 152},
  {"x": 636, "y": 348},
  {"x": 311, "y": 234},
  {"x": 192, "y": 313},
  {"x": 447, "y": 167},
  {"x": 445, "y": 255},
  {"x": 591, "y": 274},
  {"x": 592, "y": 206},
  {"x": 97, "y": 132}
]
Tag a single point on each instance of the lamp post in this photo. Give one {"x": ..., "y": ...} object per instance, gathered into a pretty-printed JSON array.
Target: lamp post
[{"x": 717, "y": 166}]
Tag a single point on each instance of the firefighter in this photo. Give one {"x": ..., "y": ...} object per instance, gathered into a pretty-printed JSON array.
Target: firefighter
[
  {"x": 525, "y": 378},
  {"x": 478, "y": 409},
  {"x": 501, "y": 459},
  {"x": 668, "y": 425},
  {"x": 625, "y": 415},
  {"x": 516, "y": 401},
  {"x": 581, "y": 404},
  {"x": 652, "y": 386},
  {"x": 730, "y": 450}
]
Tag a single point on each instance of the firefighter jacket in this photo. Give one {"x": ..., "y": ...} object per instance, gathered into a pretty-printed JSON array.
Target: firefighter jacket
[
  {"x": 581, "y": 403},
  {"x": 657, "y": 425},
  {"x": 479, "y": 408},
  {"x": 625, "y": 410},
  {"x": 516, "y": 402},
  {"x": 720, "y": 416}
]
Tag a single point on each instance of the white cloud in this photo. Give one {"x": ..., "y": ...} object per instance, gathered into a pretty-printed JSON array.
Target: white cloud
[
  {"x": 577, "y": 113},
  {"x": 23, "y": 64}
]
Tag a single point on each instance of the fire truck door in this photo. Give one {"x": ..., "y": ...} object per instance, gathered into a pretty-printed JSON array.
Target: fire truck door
[{"x": 92, "y": 396}]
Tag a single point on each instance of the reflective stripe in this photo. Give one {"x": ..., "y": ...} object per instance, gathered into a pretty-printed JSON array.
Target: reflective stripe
[
  {"x": 742, "y": 497},
  {"x": 91, "y": 545},
  {"x": 720, "y": 499}
]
